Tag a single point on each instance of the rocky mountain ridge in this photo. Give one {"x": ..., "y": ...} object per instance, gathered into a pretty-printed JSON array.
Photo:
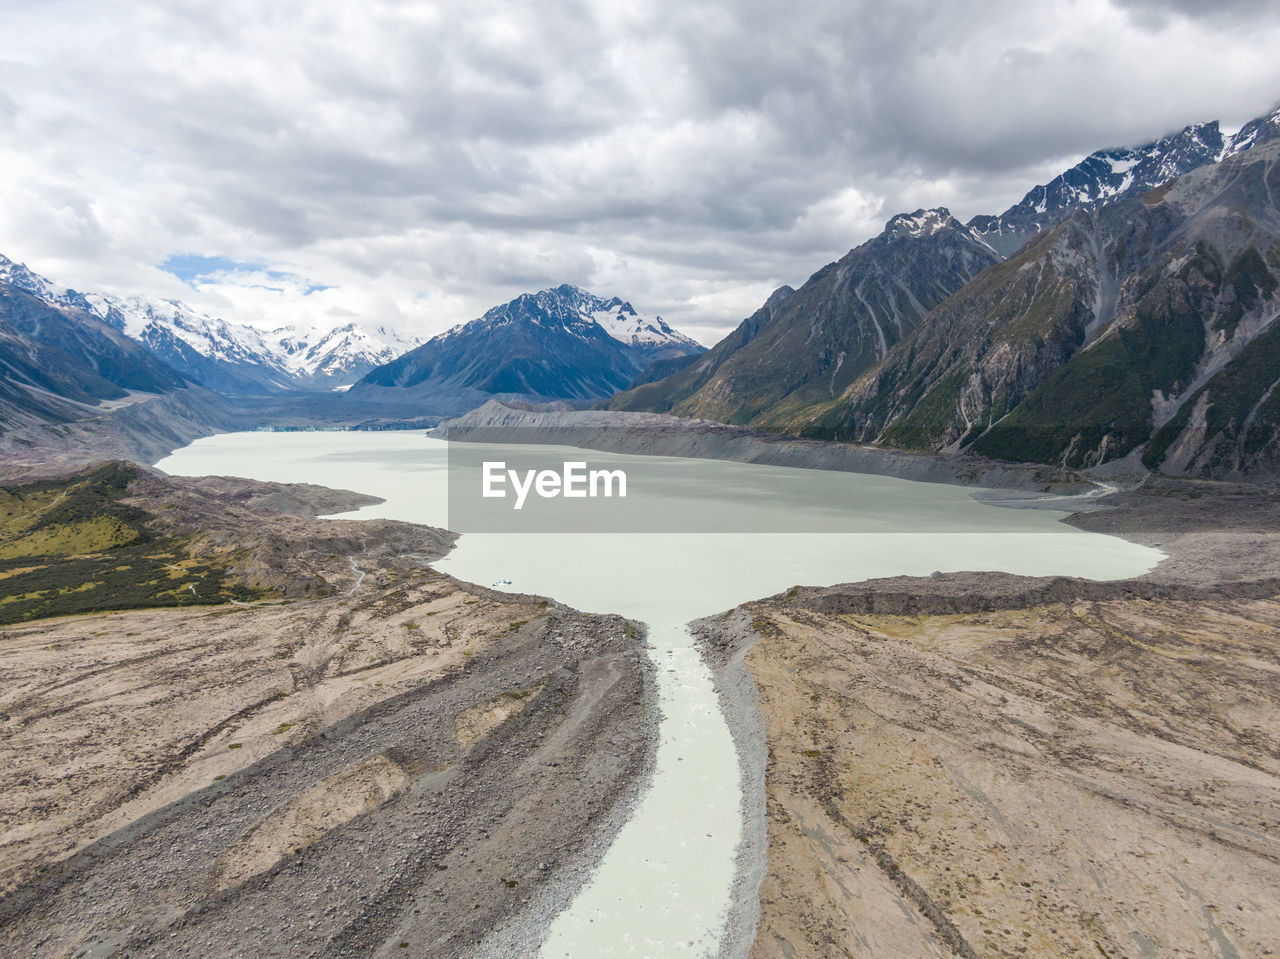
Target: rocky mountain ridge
[
  {"x": 804, "y": 346},
  {"x": 829, "y": 361},
  {"x": 1148, "y": 322},
  {"x": 558, "y": 344},
  {"x": 224, "y": 355},
  {"x": 1108, "y": 175},
  {"x": 61, "y": 363}
]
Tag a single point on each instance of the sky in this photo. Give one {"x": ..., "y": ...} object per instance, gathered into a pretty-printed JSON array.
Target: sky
[{"x": 413, "y": 164}]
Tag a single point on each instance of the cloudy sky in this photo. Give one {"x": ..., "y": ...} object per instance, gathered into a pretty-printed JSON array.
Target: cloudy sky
[{"x": 415, "y": 163}]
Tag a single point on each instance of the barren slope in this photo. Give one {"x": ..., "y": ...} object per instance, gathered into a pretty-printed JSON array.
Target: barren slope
[{"x": 404, "y": 759}]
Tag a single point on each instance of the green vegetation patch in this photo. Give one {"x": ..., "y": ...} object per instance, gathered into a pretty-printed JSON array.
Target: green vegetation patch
[
  {"x": 1102, "y": 395},
  {"x": 82, "y": 514},
  {"x": 931, "y": 415},
  {"x": 1244, "y": 402},
  {"x": 1250, "y": 282},
  {"x": 71, "y": 546}
]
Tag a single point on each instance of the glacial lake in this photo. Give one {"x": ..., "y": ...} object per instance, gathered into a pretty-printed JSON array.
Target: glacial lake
[{"x": 663, "y": 888}]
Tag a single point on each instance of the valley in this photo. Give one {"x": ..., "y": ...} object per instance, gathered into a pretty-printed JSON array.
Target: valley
[
  {"x": 349, "y": 763},
  {"x": 984, "y": 765},
  {"x": 946, "y": 621}
]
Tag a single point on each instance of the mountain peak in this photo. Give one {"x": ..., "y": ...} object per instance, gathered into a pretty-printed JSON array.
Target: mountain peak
[
  {"x": 220, "y": 353},
  {"x": 561, "y": 343},
  {"x": 579, "y": 310},
  {"x": 920, "y": 223},
  {"x": 1254, "y": 132},
  {"x": 21, "y": 276},
  {"x": 1104, "y": 176}
]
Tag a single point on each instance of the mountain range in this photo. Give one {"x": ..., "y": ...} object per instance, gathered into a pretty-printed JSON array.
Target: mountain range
[
  {"x": 807, "y": 344},
  {"x": 231, "y": 357},
  {"x": 1124, "y": 310},
  {"x": 61, "y": 363},
  {"x": 66, "y": 354},
  {"x": 1107, "y": 175},
  {"x": 559, "y": 344},
  {"x": 1129, "y": 301},
  {"x": 1149, "y": 317}
]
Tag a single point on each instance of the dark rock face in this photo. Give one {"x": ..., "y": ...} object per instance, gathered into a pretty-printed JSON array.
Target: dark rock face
[
  {"x": 851, "y": 313},
  {"x": 1131, "y": 288},
  {"x": 559, "y": 344},
  {"x": 59, "y": 362},
  {"x": 806, "y": 346},
  {"x": 1110, "y": 175},
  {"x": 1149, "y": 316},
  {"x": 1099, "y": 178}
]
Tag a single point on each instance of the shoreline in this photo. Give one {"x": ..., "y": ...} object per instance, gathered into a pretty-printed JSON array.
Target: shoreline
[
  {"x": 507, "y": 732},
  {"x": 739, "y": 703},
  {"x": 524, "y": 932},
  {"x": 1177, "y": 516},
  {"x": 658, "y": 434},
  {"x": 1204, "y": 563}
]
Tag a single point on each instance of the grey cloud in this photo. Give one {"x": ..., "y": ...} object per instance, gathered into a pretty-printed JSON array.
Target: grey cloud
[
  {"x": 678, "y": 151},
  {"x": 8, "y": 109},
  {"x": 1153, "y": 14}
]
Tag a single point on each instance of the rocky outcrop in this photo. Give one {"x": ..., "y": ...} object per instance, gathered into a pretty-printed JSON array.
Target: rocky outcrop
[
  {"x": 560, "y": 344},
  {"x": 806, "y": 346},
  {"x": 1098, "y": 334}
]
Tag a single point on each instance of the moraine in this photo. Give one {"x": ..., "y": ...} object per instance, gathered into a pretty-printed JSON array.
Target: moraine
[{"x": 664, "y": 886}]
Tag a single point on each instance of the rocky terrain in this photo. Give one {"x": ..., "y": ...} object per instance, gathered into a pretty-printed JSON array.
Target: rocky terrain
[
  {"x": 981, "y": 764},
  {"x": 808, "y": 345},
  {"x": 1127, "y": 305},
  {"x": 60, "y": 364},
  {"x": 558, "y": 344},
  {"x": 399, "y": 764},
  {"x": 1150, "y": 321},
  {"x": 657, "y": 434},
  {"x": 1106, "y": 175}
]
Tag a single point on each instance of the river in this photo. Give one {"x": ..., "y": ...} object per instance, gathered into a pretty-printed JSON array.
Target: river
[{"x": 663, "y": 887}]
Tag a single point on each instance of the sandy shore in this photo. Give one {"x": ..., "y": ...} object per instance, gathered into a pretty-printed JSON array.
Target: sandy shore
[
  {"x": 403, "y": 761},
  {"x": 990, "y": 765},
  {"x": 403, "y": 766}
]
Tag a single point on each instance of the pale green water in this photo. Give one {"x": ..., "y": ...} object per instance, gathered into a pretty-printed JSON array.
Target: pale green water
[{"x": 663, "y": 887}]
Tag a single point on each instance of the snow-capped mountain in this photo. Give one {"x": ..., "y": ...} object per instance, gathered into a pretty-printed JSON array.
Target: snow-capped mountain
[
  {"x": 221, "y": 355},
  {"x": 1254, "y": 133},
  {"x": 572, "y": 307},
  {"x": 239, "y": 358},
  {"x": 805, "y": 346},
  {"x": 559, "y": 344},
  {"x": 17, "y": 275},
  {"x": 620, "y": 320},
  {"x": 1134, "y": 299},
  {"x": 919, "y": 224},
  {"x": 59, "y": 363},
  {"x": 1106, "y": 175},
  {"x": 339, "y": 356},
  {"x": 227, "y": 356}
]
